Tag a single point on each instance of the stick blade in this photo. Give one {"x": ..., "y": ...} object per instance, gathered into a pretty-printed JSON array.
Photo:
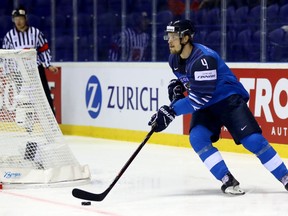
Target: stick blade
[{"x": 85, "y": 195}]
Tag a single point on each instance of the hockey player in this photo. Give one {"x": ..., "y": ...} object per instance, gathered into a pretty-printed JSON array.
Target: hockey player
[{"x": 215, "y": 98}]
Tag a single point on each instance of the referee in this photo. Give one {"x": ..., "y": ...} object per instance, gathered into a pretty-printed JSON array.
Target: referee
[
  {"x": 136, "y": 41},
  {"x": 23, "y": 36}
]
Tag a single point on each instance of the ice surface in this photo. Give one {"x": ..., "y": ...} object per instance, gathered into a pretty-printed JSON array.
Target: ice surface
[{"x": 161, "y": 181}]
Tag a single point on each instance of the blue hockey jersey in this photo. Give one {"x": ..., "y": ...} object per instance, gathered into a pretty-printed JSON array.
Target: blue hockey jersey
[{"x": 206, "y": 77}]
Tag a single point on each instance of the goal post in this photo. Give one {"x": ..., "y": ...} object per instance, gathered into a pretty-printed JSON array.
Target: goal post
[{"x": 32, "y": 147}]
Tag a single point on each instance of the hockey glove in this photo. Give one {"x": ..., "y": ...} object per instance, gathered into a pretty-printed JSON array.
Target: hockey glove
[
  {"x": 162, "y": 118},
  {"x": 176, "y": 90}
]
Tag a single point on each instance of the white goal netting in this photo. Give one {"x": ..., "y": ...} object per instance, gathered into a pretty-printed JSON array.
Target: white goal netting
[{"x": 32, "y": 146}]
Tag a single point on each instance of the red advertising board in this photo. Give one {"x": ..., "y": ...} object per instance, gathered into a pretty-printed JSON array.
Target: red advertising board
[
  {"x": 268, "y": 89},
  {"x": 54, "y": 82}
]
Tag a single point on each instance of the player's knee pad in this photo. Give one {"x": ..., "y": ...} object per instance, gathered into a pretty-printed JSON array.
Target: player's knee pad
[
  {"x": 200, "y": 137},
  {"x": 255, "y": 143}
]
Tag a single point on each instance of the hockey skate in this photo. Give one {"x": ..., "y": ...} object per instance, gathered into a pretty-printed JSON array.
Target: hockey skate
[
  {"x": 231, "y": 185},
  {"x": 284, "y": 180}
]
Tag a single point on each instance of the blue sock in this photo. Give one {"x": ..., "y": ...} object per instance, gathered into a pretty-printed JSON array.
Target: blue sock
[
  {"x": 258, "y": 145},
  {"x": 201, "y": 143}
]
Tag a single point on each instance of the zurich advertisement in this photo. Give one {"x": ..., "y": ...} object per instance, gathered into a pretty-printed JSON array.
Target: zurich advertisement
[
  {"x": 93, "y": 97},
  {"x": 114, "y": 95}
]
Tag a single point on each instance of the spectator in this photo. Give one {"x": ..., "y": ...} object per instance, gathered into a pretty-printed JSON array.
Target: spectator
[
  {"x": 23, "y": 36},
  {"x": 136, "y": 42},
  {"x": 177, "y": 7}
]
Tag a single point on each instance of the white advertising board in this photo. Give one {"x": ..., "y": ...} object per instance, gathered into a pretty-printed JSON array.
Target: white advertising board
[{"x": 115, "y": 95}]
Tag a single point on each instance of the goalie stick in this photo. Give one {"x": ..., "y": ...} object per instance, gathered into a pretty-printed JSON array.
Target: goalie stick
[{"x": 82, "y": 194}]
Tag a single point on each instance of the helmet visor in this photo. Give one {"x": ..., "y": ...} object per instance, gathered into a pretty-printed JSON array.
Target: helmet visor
[
  {"x": 171, "y": 36},
  {"x": 169, "y": 32}
]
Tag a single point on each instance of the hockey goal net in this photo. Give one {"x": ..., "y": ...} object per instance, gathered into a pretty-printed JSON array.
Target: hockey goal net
[{"x": 32, "y": 146}]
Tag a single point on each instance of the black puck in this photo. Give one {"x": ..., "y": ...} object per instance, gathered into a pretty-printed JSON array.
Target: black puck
[{"x": 85, "y": 203}]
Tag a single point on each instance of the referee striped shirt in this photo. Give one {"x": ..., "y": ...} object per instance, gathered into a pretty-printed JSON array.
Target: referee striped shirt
[
  {"x": 32, "y": 38},
  {"x": 136, "y": 45}
]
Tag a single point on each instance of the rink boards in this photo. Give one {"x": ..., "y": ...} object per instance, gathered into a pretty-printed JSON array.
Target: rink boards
[{"x": 116, "y": 100}]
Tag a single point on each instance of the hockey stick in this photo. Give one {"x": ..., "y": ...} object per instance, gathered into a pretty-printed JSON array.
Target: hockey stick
[{"x": 82, "y": 194}]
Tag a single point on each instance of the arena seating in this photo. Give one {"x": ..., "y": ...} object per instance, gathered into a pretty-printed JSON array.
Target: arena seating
[{"x": 243, "y": 27}]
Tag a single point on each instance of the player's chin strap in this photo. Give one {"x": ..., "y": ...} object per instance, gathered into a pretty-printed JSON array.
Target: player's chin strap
[{"x": 182, "y": 47}]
